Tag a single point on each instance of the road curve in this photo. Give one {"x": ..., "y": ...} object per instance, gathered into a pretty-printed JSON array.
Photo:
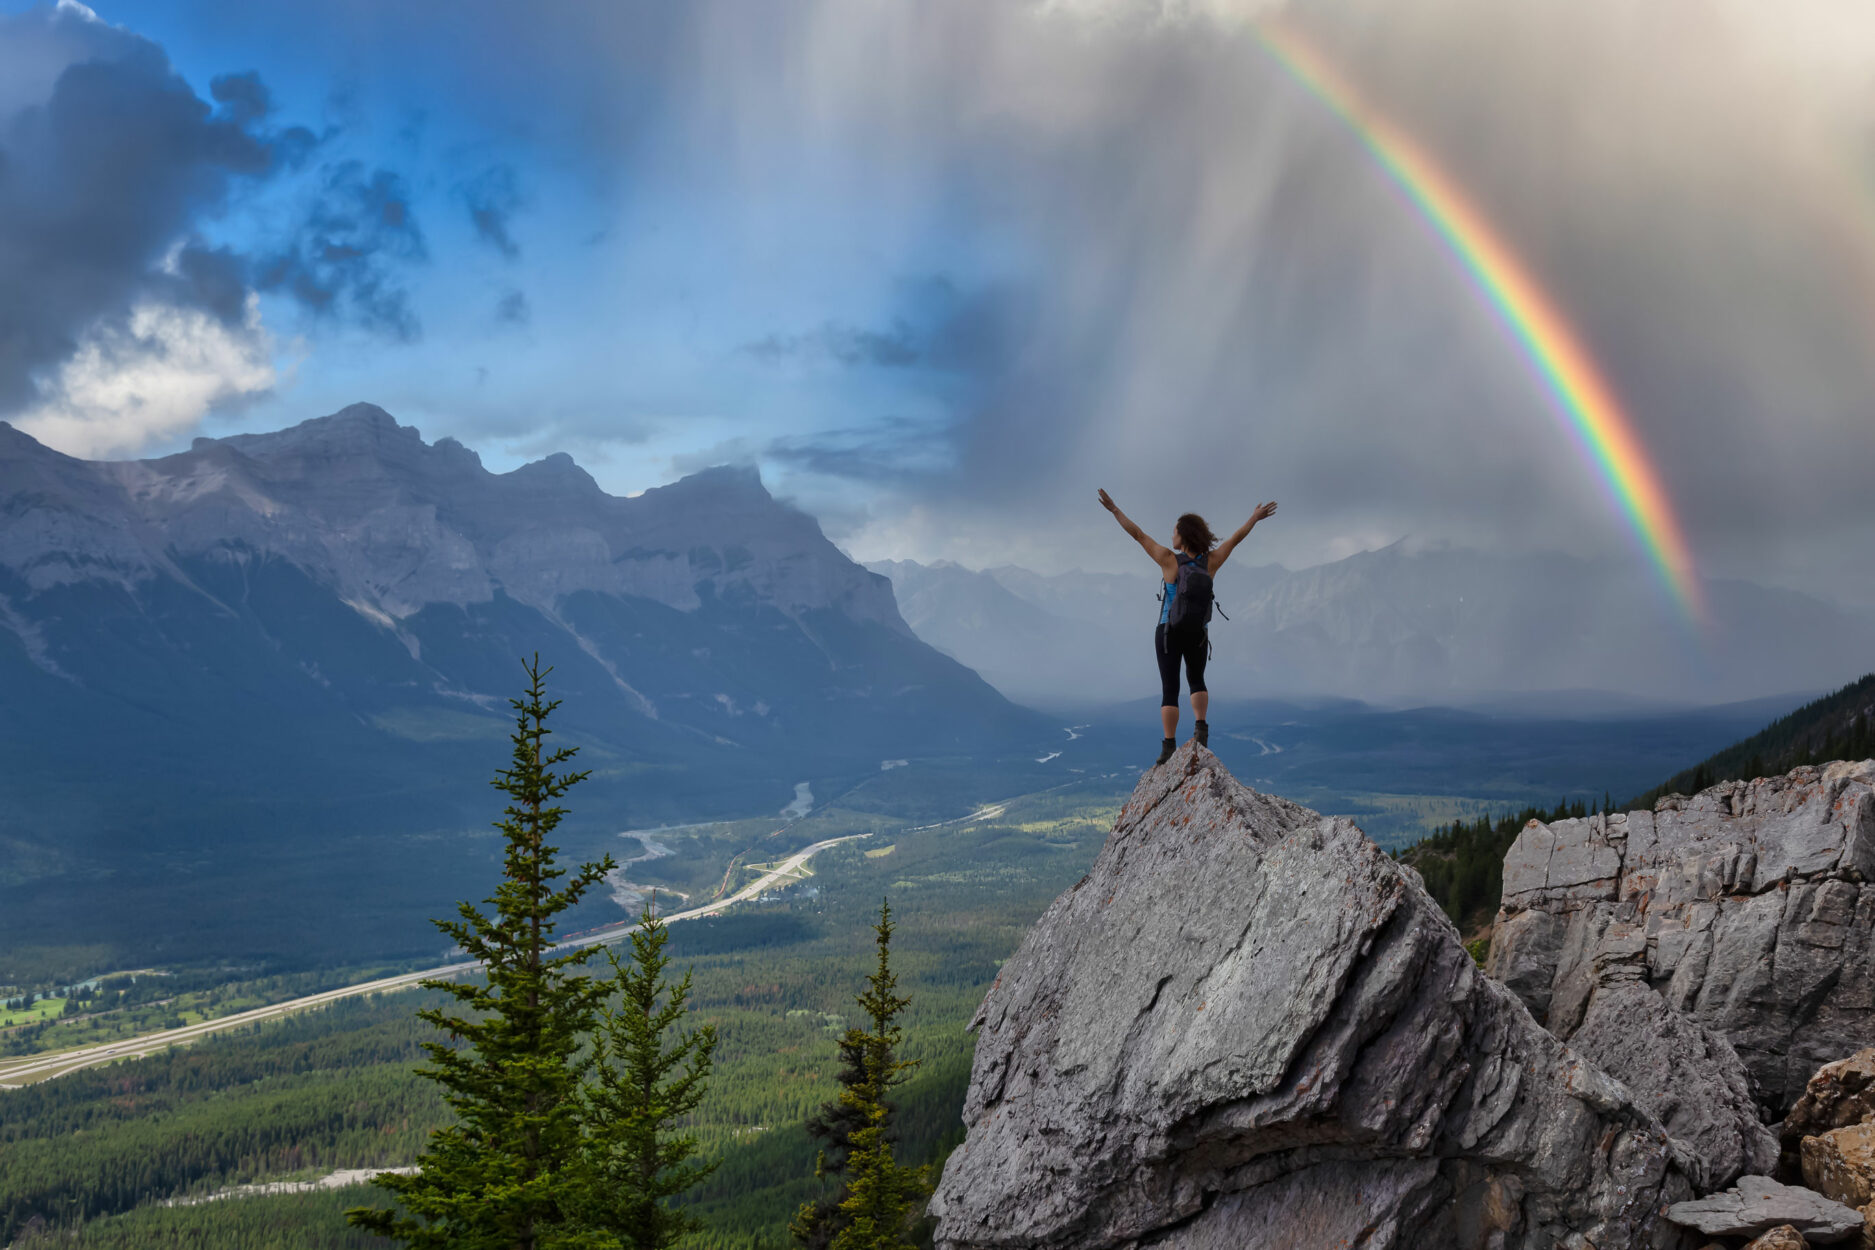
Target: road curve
[{"x": 33, "y": 1068}]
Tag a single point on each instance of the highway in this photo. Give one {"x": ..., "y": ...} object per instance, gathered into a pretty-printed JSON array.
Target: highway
[{"x": 28, "y": 1069}]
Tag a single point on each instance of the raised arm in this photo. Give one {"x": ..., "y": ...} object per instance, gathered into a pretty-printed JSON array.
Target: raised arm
[
  {"x": 1222, "y": 551},
  {"x": 1161, "y": 556}
]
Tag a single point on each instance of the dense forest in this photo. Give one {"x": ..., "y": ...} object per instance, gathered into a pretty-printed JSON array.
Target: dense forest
[
  {"x": 315, "y": 1092},
  {"x": 303, "y": 1221},
  {"x": 1463, "y": 864},
  {"x": 1839, "y": 726},
  {"x": 87, "y": 1160}
]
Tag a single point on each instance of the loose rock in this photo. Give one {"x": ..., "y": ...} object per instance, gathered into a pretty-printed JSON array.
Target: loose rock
[
  {"x": 1758, "y": 1204},
  {"x": 1840, "y": 1164},
  {"x": 1840, "y": 1094},
  {"x": 1783, "y": 1237},
  {"x": 1249, "y": 1027}
]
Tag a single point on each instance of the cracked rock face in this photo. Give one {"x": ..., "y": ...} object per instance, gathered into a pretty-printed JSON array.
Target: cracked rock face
[
  {"x": 1689, "y": 1077},
  {"x": 1248, "y": 1027},
  {"x": 1754, "y": 906}
]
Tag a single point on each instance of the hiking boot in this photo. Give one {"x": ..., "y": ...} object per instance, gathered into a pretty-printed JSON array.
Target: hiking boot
[
  {"x": 1203, "y": 735},
  {"x": 1166, "y": 747}
]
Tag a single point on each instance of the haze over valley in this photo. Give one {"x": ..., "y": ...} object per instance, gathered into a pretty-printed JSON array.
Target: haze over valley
[
  {"x": 274, "y": 653},
  {"x": 586, "y": 659}
]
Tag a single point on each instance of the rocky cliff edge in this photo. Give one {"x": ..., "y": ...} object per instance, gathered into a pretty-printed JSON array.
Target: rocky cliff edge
[
  {"x": 1748, "y": 907},
  {"x": 1248, "y": 1027}
]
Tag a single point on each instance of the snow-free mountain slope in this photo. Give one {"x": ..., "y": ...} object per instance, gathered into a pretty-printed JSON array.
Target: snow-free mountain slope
[{"x": 283, "y": 640}]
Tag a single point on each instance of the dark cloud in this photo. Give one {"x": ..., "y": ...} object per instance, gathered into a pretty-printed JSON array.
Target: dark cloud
[
  {"x": 350, "y": 251},
  {"x": 891, "y": 450},
  {"x": 492, "y": 197},
  {"x": 244, "y": 97},
  {"x": 214, "y": 278},
  {"x": 977, "y": 332},
  {"x": 939, "y": 326},
  {"x": 1174, "y": 270},
  {"x": 513, "y": 308},
  {"x": 1207, "y": 289},
  {"x": 102, "y": 176},
  {"x": 851, "y": 346}
]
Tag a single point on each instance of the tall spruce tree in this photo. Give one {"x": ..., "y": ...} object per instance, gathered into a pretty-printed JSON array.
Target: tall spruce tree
[
  {"x": 834, "y": 1123},
  {"x": 644, "y": 1088},
  {"x": 512, "y": 1173},
  {"x": 878, "y": 1199}
]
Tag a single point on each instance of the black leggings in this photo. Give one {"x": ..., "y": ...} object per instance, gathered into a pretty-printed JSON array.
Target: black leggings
[{"x": 1189, "y": 645}]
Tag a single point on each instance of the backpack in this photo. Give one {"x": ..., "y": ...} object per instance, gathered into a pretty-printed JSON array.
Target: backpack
[{"x": 1191, "y": 605}]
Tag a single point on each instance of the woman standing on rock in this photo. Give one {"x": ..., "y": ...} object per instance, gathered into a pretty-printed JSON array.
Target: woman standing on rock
[{"x": 1185, "y": 610}]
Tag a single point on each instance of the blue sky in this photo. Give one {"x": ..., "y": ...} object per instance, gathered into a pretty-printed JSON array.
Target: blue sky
[{"x": 941, "y": 270}]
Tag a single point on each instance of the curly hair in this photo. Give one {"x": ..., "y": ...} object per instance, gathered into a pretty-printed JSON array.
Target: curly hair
[{"x": 1195, "y": 534}]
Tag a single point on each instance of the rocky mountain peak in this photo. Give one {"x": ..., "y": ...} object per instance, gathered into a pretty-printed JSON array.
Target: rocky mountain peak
[
  {"x": 17, "y": 442},
  {"x": 724, "y": 483},
  {"x": 558, "y": 472},
  {"x": 358, "y": 431},
  {"x": 1248, "y": 1026}
]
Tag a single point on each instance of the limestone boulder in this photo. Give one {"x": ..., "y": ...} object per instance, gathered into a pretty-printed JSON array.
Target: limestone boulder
[
  {"x": 1783, "y": 1237},
  {"x": 1840, "y": 1094},
  {"x": 1840, "y": 1164},
  {"x": 1755, "y": 902},
  {"x": 1249, "y": 1027}
]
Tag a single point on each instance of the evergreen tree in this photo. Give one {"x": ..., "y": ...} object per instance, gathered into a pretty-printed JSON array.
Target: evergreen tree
[
  {"x": 643, "y": 1089},
  {"x": 512, "y": 1173},
  {"x": 817, "y": 1223},
  {"x": 878, "y": 1201}
]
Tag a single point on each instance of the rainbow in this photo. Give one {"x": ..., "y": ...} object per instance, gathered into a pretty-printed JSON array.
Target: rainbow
[{"x": 1580, "y": 393}]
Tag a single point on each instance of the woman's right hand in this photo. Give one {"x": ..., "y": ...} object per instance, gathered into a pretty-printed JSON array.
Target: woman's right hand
[
  {"x": 1106, "y": 501},
  {"x": 1263, "y": 512}
]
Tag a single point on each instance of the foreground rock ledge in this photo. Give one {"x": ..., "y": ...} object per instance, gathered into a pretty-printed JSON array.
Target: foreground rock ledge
[{"x": 1248, "y": 1027}]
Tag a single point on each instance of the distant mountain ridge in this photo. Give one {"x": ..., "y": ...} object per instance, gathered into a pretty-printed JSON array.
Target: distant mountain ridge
[
  {"x": 282, "y": 640},
  {"x": 1397, "y": 624},
  {"x": 395, "y": 524}
]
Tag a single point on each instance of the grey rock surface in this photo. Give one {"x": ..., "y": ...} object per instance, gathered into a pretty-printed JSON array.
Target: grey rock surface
[
  {"x": 1248, "y": 1027},
  {"x": 1754, "y": 902},
  {"x": 1758, "y": 1204},
  {"x": 1689, "y": 1077}
]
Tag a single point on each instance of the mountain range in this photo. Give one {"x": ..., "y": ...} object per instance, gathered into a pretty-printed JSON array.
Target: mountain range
[
  {"x": 287, "y": 657},
  {"x": 1402, "y": 624}
]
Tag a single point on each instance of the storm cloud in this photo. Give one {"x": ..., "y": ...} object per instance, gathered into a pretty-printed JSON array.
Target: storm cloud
[
  {"x": 100, "y": 182},
  {"x": 945, "y": 268},
  {"x": 1223, "y": 298},
  {"x": 348, "y": 255},
  {"x": 1208, "y": 292},
  {"x": 122, "y": 320},
  {"x": 492, "y": 197}
]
